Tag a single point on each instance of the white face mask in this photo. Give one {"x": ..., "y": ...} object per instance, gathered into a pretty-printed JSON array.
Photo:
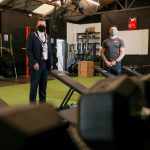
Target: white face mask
[{"x": 113, "y": 31}]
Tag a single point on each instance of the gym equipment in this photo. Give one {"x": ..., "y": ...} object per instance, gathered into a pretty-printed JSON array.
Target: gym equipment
[
  {"x": 69, "y": 69},
  {"x": 145, "y": 69},
  {"x": 103, "y": 72},
  {"x": 7, "y": 64},
  {"x": 31, "y": 127},
  {"x": 70, "y": 114},
  {"x": 73, "y": 67},
  {"x": 55, "y": 58},
  {"x": 72, "y": 84},
  {"x": 110, "y": 116},
  {"x": 12, "y": 54},
  {"x": 145, "y": 79},
  {"x": 131, "y": 71}
]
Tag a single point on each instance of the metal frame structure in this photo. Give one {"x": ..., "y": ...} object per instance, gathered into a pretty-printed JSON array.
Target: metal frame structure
[
  {"x": 126, "y": 4},
  {"x": 72, "y": 84},
  {"x": 24, "y": 5}
]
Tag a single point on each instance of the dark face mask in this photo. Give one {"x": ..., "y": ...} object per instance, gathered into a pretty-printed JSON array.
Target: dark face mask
[{"x": 41, "y": 28}]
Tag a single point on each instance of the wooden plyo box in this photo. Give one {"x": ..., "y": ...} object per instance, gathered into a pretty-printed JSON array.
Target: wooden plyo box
[{"x": 86, "y": 69}]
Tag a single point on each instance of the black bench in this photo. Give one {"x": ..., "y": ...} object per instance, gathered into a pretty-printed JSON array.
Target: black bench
[
  {"x": 72, "y": 84},
  {"x": 131, "y": 71}
]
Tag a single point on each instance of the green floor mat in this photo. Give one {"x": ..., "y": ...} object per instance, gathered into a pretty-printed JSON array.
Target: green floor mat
[{"x": 56, "y": 91}]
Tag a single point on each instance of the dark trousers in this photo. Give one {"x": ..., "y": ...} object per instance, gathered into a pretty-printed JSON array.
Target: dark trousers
[
  {"x": 38, "y": 81},
  {"x": 116, "y": 70}
]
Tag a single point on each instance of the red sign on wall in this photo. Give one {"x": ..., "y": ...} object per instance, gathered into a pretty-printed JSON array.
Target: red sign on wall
[{"x": 132, "y": 24}]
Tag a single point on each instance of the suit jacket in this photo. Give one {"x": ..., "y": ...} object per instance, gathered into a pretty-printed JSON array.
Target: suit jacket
[{"x": 34, "y": 51}]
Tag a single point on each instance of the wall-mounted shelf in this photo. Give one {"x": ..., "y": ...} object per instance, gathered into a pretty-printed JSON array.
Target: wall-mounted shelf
[{"x": 88, "y": 43}]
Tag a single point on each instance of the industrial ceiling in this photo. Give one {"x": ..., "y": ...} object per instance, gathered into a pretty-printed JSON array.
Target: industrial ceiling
[{"x": 73, "y": 10}]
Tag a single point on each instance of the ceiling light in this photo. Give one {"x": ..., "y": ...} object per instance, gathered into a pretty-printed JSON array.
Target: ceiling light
[
  {"x": 96, "y": 2},
  {"x": 30, "y": 15},
  {"x": 44, "y": 9},
  {"x": 59, "y": 2},
  {"x": 1, "y": 1}
]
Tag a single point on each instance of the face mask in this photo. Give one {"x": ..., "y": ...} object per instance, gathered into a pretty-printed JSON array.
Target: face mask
[
  {"x": 41, "y": 28},
  {"x": 113, "y": 32}
]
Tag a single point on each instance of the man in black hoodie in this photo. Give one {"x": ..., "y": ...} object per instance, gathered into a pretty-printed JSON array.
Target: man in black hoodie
[{"x": 39, "y": 52}]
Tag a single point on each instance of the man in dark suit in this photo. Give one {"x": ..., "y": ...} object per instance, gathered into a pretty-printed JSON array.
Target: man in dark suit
[{"x": 39, "y": 52}]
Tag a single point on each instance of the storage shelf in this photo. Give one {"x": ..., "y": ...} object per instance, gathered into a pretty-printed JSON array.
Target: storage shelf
[{"x": 88, "y": 43}]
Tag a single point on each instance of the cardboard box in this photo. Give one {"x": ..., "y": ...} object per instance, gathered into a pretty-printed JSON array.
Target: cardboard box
[
  {"x": 86, "y": 69},
  {"x": 90, "y": 29}
]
